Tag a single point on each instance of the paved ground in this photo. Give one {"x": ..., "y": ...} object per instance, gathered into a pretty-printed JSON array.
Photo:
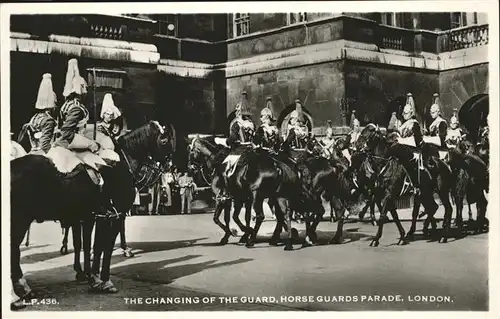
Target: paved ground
[{"x": 177, "y": 260}]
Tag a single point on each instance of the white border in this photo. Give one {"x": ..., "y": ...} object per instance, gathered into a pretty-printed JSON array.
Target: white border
[{"x": 491, "y": 7}]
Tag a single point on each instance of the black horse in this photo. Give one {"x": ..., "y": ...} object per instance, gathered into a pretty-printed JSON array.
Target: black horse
[
  {"x": 73, "y": 198},
  {"x": 400, "y": 167}
]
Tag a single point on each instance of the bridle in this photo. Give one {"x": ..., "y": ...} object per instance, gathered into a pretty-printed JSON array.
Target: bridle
[
  {"x": 198, "y": 166},
  {"x": 156, "y": 167}
]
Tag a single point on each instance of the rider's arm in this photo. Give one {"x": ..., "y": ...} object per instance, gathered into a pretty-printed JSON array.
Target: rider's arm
[
  {"x": 442, "y": 131},
  {"x": 69, "y": 126},
  {"x": 234, "y": 135},
  {"x": 417, "y": 133},
  {"x": 48, "y": 127},
  {"x": 258, "y": 137}
]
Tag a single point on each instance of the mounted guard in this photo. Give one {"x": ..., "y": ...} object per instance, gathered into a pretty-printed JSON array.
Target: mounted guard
[
  {"x": 355, "y": 131},
  {"x": 41, "y": 127},
  {"x": 409, "y": 130},
  {"x": 437, "y": 129},
  {"x": 454, "y": 133},
  {"x": 109, "y": 113},
  {"x": 267, "y": 135},
  {"x": 328, "y": 141},
  {"x": 298, "y": 132},
  {"x": 72, "y": 147},
  {"x": 241, "y": 131}
]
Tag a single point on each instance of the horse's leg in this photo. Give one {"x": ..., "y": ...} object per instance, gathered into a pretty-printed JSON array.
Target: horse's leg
[
  {"x": 238, "y": 204},
  {"x": 414, "y": 216},
  {"x": 127, "y": 252},
  {"x": 481, "y": 205},
  {"x": 64, "y": 247},
  {"x": 28, "y": 237},
  {"x": 395, "y": 217},
  {"x": 430, "y": 207},
  {"x": 444, "y": 195},
  {"x": 88, "y": 226},
  {"x": 382, "y": 220},
  {"x": 280, "y": 223},
  {"x": 219, "y": 206},
  {"x": 257, "y": 204},
  {"x": 470, "y": 212},
  {"x": 248, "y": 219},
  {"x": 283, "y": 205},
  {"x": 19, "y": 228},
  {"x": 99, "y": 242},
  {"x": 318, "y": 216},
  {"x": 77, "y": 246},
  {"x": 113, "y": 227},
  {"x": 227, "y": 221},
  {"x": 372, "y": 212},
  {"x": 339, "y": 211}
]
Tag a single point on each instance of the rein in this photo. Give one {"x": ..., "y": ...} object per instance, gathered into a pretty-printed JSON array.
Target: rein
[{"x": 158, "y": 170}]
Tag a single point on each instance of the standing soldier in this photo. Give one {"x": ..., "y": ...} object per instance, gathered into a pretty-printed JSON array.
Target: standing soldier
[
  {"x": 298, "y": 131},
  {"x": 454, "y": 134},
  {"x": 187, "y": 188},
  {"x": 438, "y": 127},
  {"x": 42, "y": 125},
  {"x": 267, "y": 135},
  {"x": 109, "y": 113}
]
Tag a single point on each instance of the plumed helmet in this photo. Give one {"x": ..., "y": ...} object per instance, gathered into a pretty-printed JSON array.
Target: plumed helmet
[
  {"x": 393, "y": 122},
  {"x": 242, "y": 106},
  {"x": 74, "y": 82},
  {"x": 409, "y": 108},
  {"x": 435, "y": 106},
  {"x": 108, "y": 106},
  {"x": 454, "y": 117},
  {"x": 353, "y": 119},
  {"x": 299, "y": 113},
  {"x": 46, "y": 98},
  {"x": 267, "y": 111},
  {"x": 329, "y": 129}
]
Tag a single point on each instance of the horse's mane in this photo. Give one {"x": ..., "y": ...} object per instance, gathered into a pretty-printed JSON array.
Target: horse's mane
[{"x": 137, "y": 141}]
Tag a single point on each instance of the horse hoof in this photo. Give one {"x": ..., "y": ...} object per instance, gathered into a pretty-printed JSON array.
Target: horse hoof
[
  {"x": 402, "y": 242},
  {"x": 306, "y": 244},
  {"x": 64, "y": 250},
  {"x": 249, "y": 244},
  {"x": 108, "y": 288},
  {"x": 128, "y": 253},
  {"x": 374, "y": 243},
  {"x": 335, "y": 241},
  {"x": 443, "y": 240},
  {"x": 17, "y": 305},
  {"x": 223, "y": 241},
  {"x": 81, "y": 277},
  {"x": 274, "y": 242},
  {"x": 295, "y": 233},
  {"x": 27, "y": 244},
  {"x": 243, "y": 239},
  {"x": 288, "y": 248},
  {"x": 409, "y": 237}
]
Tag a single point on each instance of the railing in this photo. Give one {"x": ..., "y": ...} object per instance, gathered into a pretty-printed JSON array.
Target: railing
[
  {"x": 468, "y": 37},
  {"x": 88, "y": 25},
  {"x": 396, "y": 38}
]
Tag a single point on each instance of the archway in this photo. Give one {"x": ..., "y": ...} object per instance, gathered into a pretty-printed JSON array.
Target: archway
[
  {"x": 284, "y": 117},
  {"x": 473, "y": 114}
]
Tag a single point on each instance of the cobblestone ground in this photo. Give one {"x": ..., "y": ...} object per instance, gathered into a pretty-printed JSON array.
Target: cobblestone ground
[{"x": 177, "y": 257}]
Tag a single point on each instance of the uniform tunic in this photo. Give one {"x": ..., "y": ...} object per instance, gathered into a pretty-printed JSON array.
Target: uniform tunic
[
  {"x": 43, "y": 127},
  {"x": 438, "y": 128},
  {"x": 241, "y": 133},
  {"x": 297, "y": 137},
  {"x": 74, "y": 116},
  {"x": 411, "y": 128},
  {"x": 267, "y": 136}
]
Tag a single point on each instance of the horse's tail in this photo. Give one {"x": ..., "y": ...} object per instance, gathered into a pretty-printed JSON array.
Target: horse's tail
[{"x": 23, "y": 132}]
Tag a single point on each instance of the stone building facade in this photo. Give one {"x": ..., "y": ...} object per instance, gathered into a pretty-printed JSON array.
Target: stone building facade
[{"x": 191, "y": 69}]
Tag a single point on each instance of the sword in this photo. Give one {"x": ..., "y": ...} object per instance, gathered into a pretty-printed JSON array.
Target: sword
[{"x": 95, "y": 106}]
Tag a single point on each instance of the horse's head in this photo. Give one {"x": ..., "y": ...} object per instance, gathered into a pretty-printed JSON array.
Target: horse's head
[
  {"x": 199, "y": 150},
  {"x": 150, "y": 140},
  {"x": 343, "y": 142},
  {"x": 370, "y": 137},
  {"x": 313, "y": 146}
]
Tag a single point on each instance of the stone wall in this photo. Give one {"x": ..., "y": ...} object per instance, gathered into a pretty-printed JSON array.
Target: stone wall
[
  {"x": 320, "y": 87},
  {"x": 371, "y": 88},
  {"x": 458, "y": 85}
]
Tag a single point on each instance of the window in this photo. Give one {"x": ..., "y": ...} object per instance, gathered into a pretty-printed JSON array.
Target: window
[
  {"x": 296, "y": 17},
  {"x": 394, "y": 19},
  {"x": 241, "y": 24},
  {"x": 458, "y": 19},
  {"x": 167, "y": 24}
]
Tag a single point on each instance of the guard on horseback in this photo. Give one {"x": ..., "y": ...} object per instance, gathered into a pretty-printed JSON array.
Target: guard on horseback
[
  {"x": 72, "y": 147},
  {"x": 267, "y": 135},
  {"x": 328, "y": 142},
  {"x": 41, "y": 127},
  {"x": 241, "y": 133},
  {"x": 438, "y": 127},
  {"x": 409, "y": 130},
  {"x": 109, "y": 113},
  {"x": 298, "y": 132},
  {"x": 454, "y": 133},
  {"x": 355, "y": 131}
]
